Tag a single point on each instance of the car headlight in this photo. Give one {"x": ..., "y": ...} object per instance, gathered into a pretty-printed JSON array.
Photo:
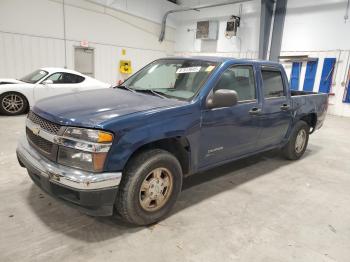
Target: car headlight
[
  {"x": 90, "y": 135},
  {"x": 84, "y": 148}
]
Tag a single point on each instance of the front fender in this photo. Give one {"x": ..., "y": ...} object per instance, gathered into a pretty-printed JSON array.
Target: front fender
[
  {"x": 24, "y": 89},
  {"x": 154, "y": 129}
]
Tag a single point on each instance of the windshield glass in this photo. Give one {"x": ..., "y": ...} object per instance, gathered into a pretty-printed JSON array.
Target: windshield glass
[
  {"x": 34, "y": 77},
  {"x": 173, "y": 78}
]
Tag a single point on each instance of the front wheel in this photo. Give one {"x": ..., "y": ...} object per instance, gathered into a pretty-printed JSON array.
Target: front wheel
[
  {"x": 149, "y": 188},
  {"x": 12, "y": 104},
  {"x": 298, "y": 141}
]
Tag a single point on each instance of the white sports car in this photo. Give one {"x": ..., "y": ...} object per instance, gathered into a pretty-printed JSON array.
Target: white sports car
[{"x": 17, "y": 95}]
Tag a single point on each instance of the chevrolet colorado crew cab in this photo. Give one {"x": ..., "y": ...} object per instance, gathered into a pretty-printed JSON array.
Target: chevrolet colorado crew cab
[{"x": 126, "y": 149}]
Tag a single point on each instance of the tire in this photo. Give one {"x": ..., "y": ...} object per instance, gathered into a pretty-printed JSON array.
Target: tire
[
  {"x": 135, "y": 201},
  {"x": 296, "y": 145},
  {"x": 12, "y": 104}
]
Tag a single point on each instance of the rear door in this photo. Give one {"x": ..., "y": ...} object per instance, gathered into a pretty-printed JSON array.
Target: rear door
[{"x": 276, "y": 115}]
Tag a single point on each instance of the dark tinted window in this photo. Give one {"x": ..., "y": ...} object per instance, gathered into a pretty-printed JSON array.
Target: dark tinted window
[
  {"x": 65, "y": 78},
  {"x": 273, "y": 83},
  {"x": 240, "y": 79},
  {"x": 74, "y": 79}
]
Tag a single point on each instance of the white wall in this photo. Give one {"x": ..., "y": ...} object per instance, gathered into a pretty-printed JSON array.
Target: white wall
[
  {"x": 32, "y": 33},
  {"x": 244, "y": 45},
  {"x": 316, "y": 24},
  {"x": 152, "y": 10},
  {"x": 317, "y": 28}
]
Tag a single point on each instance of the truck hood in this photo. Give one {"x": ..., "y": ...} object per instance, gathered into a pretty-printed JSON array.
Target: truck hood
[{"x": 92, "y": 108}]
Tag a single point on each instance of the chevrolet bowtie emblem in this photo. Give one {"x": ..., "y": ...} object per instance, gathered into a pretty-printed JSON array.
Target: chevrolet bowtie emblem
[{"x": 36, "y": 130}]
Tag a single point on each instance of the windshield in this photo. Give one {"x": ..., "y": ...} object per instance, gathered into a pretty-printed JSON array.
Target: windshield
[
  {"x": 34, "y": 77},
  {"x": 172, "y": 78}
]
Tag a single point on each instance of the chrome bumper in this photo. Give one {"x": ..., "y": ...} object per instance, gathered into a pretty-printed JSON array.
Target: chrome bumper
[{"x": 62, "y": 175}]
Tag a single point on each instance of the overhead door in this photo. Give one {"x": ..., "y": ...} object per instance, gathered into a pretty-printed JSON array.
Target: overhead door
[
  {"x": 347, "y": 96},
  {"x": 295, "y": 75},
  {"x": 327, "y": 75},
  {"x": 310, "y": 75},
  {"x": 347, "y": 89}
]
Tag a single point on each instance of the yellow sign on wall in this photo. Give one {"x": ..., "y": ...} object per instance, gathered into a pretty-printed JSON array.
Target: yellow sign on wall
[{"x": 125, "y": 67}]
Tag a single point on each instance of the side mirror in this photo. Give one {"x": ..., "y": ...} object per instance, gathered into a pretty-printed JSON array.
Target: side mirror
[
  {"x": 222, "y": 98},
  {"x": 47, "y": 82}
]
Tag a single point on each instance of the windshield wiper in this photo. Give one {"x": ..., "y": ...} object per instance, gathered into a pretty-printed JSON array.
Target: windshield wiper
[
  {"x": 126, "y": 88},
  {"x": 157, "y": 93},
  {"x": 134, "y": 90},
  {"x": 150, "y": 91}
]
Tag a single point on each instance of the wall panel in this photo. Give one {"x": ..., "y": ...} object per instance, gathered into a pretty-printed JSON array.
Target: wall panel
[
  {"x": 22, "y": 54},
  {"x": 37, "y": 39}
]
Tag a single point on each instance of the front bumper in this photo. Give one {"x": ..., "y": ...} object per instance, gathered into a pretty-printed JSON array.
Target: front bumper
[{"x": 92, "y": 193}]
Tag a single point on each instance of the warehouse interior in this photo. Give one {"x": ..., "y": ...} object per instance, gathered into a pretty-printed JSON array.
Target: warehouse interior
[{"x": 260, "y": 208}]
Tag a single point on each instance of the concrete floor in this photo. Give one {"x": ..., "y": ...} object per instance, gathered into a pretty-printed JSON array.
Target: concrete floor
[{"x": 260, "y": 209}]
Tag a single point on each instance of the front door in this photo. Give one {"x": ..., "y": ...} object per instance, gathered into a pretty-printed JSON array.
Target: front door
[{"x": 231, "y": 132}]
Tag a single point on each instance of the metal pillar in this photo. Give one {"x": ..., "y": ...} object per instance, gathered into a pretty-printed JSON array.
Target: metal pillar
[
  {"x": 277, "y": 31},
  {"x": 265, "y": 27}
]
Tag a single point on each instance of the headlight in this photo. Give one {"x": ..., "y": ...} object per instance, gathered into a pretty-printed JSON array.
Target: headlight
[
  {"x": 93, "y": 162},
  {"x": 84, "y": 148},
  {"x": 90, "y": 135}
]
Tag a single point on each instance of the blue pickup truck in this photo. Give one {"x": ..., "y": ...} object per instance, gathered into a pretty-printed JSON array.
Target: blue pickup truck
[{"x": 126, "y": 149}]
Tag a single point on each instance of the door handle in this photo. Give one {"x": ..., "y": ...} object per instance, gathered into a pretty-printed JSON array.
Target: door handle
[
  {"x": 255, "y": 111},
  {"x": 285, "y": 107}
]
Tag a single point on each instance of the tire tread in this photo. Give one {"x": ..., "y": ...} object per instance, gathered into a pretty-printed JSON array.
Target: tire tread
[
  {"x": 130, "y": 176},
  {"x": 288, "y": 150}
]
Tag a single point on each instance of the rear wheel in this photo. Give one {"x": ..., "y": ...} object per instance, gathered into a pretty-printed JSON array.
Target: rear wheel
[
  {"x": 149, "y": 188},
  {"x": 298, "y": 141},
  {"x": 13, "y": 104}
]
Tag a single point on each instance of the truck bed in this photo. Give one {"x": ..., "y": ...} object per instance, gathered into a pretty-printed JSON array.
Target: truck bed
[
  {"x": 301, "y": 93},
  {"x": 305, "y": 103}
]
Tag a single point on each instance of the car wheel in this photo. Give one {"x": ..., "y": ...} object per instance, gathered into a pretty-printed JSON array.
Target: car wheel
[
  {"x": 298, "y": 141},
  {"x": 13, "y": 104},
  {"x": 149, "y": 188}
]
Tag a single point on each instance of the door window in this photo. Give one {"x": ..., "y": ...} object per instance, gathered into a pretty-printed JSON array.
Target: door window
[
  {"x": 273, "y": 83},
  {"x": 239, "y": 79},
  {"x": 55, "y": 78},
  {"x": 65, "y": 78}
]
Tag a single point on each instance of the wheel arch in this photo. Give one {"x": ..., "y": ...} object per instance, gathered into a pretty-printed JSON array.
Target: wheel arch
[
  {"x": 310, "y": 119},
  {"x": 178, "y": 146}
]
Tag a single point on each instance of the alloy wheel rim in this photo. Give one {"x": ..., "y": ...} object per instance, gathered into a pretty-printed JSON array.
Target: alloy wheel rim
[
  {"x": 300, "y": 141},
  {"x": 12, "y": 103},
  {"x": 156, "y": 189}
]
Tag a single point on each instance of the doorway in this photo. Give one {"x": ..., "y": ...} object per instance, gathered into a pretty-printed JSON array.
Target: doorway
[{"x": 84, "y": 61}]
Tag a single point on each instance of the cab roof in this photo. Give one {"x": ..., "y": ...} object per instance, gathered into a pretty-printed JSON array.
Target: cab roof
[
  {"x": 59, "y": 69},
  {"x": 221, "y": 59}
]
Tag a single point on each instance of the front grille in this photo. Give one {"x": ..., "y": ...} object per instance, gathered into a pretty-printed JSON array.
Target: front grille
[
  {"x": 39, "y": 142},
  {"x": 43, "y": 123}
]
